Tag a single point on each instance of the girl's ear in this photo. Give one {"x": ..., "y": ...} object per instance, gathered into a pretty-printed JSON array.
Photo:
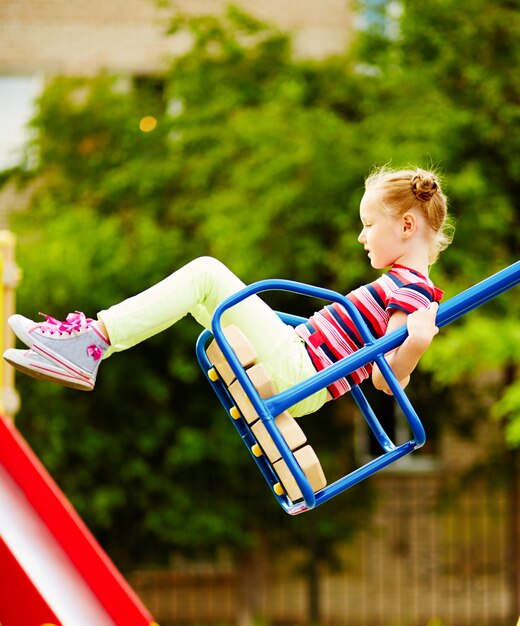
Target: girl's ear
[{"x": 409, "y": 225}]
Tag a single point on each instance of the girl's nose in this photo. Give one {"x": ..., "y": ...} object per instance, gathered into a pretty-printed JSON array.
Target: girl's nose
[{"x": 361, "y": 237}]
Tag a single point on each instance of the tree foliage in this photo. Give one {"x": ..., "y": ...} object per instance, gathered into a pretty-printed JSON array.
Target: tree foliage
[
  {"x": 242, "y": 176},
  {"x": 259, "y": 160},
  {"x": 477, "y": 77}
]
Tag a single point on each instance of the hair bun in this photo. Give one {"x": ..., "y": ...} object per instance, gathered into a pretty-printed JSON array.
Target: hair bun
[{"x": 424, "y": 185}]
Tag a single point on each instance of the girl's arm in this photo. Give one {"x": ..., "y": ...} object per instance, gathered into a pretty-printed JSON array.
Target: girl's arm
[{"x": 403, "y": 360}]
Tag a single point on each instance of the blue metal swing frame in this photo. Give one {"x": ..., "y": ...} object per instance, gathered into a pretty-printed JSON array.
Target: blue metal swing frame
[{"x": 373, "y": 351}]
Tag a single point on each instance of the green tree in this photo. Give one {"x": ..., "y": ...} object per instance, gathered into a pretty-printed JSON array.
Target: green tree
[
  {"x": 259, "y": 160},
  {"x": 149, "y": 458},
  {"x": 462, "y": 59},
  {"x": 448, "y": 72}
]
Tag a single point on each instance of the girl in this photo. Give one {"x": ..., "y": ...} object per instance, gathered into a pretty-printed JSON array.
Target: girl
[{"x": 404, "y": 218}]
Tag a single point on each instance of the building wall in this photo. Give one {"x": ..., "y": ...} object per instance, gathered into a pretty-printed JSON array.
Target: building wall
[
  {"x": 85, "y": 36},
  {"x": 40, "y": 38},
  {"x": 431, "y": 554},
  {"x": 421, "y": 561}
]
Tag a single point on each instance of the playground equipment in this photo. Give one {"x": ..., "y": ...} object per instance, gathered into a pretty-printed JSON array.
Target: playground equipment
[
  {"x": 10, "y": 274},
  {"x": 52, "y": 570},
  {"x": 295, "y": 477}
]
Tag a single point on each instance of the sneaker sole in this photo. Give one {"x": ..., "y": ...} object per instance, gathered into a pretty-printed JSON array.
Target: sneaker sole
[
  {"x": 50, "y": 355},
  {"x": 41, "y": 373}
]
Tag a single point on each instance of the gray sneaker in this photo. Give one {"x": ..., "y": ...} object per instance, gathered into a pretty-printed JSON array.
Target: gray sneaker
[
  {"x": 75, "y": 345},
  {"x": 37, "y": 366}
]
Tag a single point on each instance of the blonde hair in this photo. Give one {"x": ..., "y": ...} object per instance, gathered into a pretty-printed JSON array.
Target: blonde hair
[{"x": 404, "y": 190}]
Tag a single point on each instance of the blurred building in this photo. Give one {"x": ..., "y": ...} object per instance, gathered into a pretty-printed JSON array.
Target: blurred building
[
  {"x": 40, "y": 38},
  {"x": 84, "y": 36}
]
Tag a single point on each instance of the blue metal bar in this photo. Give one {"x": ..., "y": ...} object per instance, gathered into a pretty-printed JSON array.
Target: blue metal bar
[
  {"x": 451, "y": 310},
  {"x": 375, "y": 426},
  {"x": 479, "y": 294},
  {"x": 373, "y": 351},
  {"x": 403, "y": 401},
  {"x": 364, "y": 406},
  {"x": 268, "y": 419},
  {"x": 361, "y": 473},
  {"x": 249, "y": 440}
]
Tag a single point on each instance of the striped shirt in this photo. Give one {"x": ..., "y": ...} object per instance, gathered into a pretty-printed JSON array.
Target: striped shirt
[{"x": 330, "y": 334}]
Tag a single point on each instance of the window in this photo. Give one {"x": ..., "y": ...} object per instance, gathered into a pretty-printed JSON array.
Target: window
[
  {"x": 380, "y": 16},
  {"x": 17, "y": 97}
]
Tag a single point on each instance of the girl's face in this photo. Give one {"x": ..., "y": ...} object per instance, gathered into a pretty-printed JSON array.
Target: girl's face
[{"x": 382, "y": 234}]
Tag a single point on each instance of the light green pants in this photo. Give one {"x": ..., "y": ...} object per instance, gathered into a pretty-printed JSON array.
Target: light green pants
[{"x": 198, "y": 288}]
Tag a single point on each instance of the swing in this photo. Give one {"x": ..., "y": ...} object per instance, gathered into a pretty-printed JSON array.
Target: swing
[{"x": 275, "y": 440}]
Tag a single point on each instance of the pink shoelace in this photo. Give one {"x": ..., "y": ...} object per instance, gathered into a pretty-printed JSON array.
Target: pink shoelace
[{"x": 74, "y": 322}]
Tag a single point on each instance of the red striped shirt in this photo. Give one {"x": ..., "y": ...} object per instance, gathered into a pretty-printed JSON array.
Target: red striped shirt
[{"x": 330, "y": 334}]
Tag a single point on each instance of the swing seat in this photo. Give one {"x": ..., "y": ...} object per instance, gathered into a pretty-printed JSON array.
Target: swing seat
[
  {"x": 243, "y": 409},
  {"x": 275, "y": 440}
]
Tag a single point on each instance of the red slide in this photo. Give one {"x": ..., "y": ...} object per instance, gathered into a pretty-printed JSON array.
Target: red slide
[{"x": 52, "y": 570}]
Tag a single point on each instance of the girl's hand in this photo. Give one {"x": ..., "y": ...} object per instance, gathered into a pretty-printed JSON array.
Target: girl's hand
[
  {"x": 403, "y": 360},
  {"x": 421, "y": 325}
]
